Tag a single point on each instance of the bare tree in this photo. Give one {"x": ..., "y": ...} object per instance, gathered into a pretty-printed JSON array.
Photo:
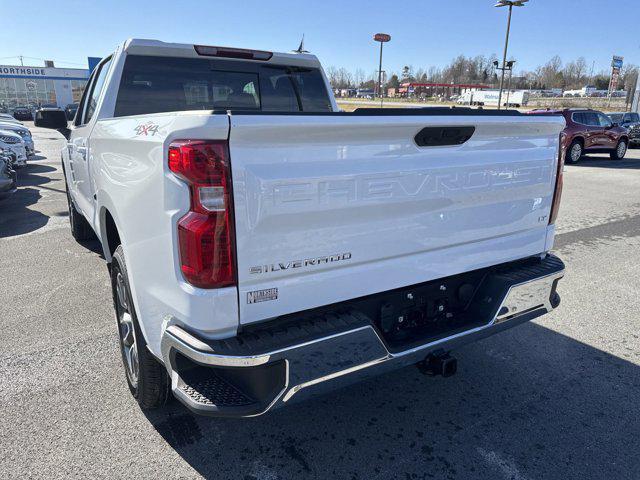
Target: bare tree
[
  {"x": 407, "y": 73},
  {"x": 359, "y": 77},
  {"x": 551, "y": 73},
  {"x": 481, "y": 69},
  {"x": 628, "y": 76},
  {"x": 332, "y": 74}
]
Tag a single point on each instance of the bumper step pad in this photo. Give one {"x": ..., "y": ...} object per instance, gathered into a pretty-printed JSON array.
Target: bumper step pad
[{"x": 213, "y": 390}]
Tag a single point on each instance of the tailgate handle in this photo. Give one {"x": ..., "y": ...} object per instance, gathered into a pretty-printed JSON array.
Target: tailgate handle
[{"x": 442, "y": 136}]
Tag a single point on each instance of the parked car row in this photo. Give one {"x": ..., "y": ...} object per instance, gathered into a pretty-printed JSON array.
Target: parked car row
[
  {"x": 590, "y": 131},
  {"x": 16, "y": 145},
  {"x": 8, "y": 176},
  {"x": 22, "y": 113},
  {"x": 27, "y": 112},
  {"x": 8, "y": 124},
  {"x": 15, "y": 137}
]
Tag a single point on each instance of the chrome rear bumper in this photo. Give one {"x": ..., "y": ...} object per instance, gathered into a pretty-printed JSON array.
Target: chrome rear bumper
[{"x": 231, "y": 383}]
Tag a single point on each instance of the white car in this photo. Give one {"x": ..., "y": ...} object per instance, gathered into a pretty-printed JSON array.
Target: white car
[
  {"x": 264, "y": 246},
  {"x": 12, "y": 141},
  {"x": 6, "y": 118},
  {"x": 24, "y": 133}
]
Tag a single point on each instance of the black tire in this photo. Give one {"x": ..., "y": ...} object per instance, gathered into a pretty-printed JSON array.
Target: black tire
[
  {"x": 620, "y": 151},
  {"x": 572, "y": 155},
  {"x": 149, "y": 385}
]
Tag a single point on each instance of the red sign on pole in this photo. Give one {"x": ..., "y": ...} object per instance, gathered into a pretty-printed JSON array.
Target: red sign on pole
[{"x": 382, "y": 37}]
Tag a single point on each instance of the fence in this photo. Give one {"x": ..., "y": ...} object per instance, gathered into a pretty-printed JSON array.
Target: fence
[{"x": 597, "y": 103}]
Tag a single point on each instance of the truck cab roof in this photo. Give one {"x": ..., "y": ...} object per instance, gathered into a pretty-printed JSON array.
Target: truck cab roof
[{"x": 139, "y": 46}]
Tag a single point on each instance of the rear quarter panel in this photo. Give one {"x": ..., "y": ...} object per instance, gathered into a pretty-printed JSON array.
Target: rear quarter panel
[{"x": 146, "y": 200}]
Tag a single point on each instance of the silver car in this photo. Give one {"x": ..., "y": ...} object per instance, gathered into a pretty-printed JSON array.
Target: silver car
[
  {"x": 6, "y": 118},
  {"x": 13, "y": 141},
  {"x": 24, "y": 133},
  {"x": 8, "y": 178}
]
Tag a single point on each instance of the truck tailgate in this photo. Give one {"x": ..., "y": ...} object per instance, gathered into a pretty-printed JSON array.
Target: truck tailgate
[{"x": 334, "y": 207}]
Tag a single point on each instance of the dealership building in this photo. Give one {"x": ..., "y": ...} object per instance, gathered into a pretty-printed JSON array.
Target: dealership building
[{"x": 36, "y": 86}]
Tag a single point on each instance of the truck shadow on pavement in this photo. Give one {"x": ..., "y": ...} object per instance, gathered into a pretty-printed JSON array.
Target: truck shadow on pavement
[
  {"x": 527, "y": 403},
  {"x": 34, "y": 175},
  {"x": 15, "y": 216}
]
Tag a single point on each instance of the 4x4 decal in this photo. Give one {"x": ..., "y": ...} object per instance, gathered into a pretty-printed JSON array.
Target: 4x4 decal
[{"x": 147, "y": 129}]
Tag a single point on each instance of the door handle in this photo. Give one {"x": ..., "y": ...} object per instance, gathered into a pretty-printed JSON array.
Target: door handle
[
  {"x": 82, "y": 151},
  {"x": 443, "y": 136}
]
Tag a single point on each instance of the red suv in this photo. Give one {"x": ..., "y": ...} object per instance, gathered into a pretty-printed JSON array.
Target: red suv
[{"x": 589, "y": 131}]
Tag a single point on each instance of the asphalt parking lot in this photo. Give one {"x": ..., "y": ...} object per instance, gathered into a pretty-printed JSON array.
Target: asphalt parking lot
[{"x": 557, "y": 398}]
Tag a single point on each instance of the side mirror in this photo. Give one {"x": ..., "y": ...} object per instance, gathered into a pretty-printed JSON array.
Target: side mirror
[
  {"x": 54, "y": 119},
  {"x": 614, "y": 124}
]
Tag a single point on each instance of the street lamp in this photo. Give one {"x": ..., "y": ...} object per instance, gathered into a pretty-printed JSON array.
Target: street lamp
[
  {"x": 382, "y": 38},
  {"x": 510, "y": 67},
  {"x": 510, "y": 4}
]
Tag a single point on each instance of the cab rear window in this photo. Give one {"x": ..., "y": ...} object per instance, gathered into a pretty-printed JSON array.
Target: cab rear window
[{"x": 167, "y": 84}]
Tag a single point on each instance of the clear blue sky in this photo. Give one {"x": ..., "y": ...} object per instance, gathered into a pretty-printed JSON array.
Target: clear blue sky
[{"x": 424, "y": 32}]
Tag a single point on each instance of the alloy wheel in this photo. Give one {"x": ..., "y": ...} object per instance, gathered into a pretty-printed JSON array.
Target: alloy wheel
[
  {"x": 576, "y": 152},
  {"x": 127, "y": 331},
  {"x": 70, "y": 205}
]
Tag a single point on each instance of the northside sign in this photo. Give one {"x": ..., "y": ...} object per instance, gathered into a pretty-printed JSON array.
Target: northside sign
[{"x": 23, "y": 71}]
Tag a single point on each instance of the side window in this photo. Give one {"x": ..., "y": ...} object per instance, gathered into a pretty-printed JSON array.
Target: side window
[
  {"x": 579, "y": 118},
  {"x": 94, "y": 93},
  {"x": 603, "y": 120},
  {"x": 591, "y": 119},
  {"x": 83, "y": 100}
]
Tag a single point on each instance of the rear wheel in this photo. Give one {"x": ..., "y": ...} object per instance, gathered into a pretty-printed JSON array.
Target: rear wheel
[
  {"x": 147, "y": 379},
  {"x": 575, "y": 151},
  {"x": 620, "y": 151}
]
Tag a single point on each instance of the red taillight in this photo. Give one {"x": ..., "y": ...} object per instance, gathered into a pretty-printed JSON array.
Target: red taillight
[
  {"x": 557, "y": 194},
  {"x": 205, "y": 234}
]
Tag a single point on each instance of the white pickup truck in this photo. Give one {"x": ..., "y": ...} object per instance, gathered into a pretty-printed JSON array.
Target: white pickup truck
[{"x": 264, "y": 245}]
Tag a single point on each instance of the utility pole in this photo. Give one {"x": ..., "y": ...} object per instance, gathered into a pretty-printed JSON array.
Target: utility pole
[
  {"x": 21, "y": 62},
  {"x": 510, "y": 4},
  {"x": 510, "y": 66},
  {"x": 380, "y": 76},
  {"x": 382, "y": 38},
  {"x": 504, "y": 57},
  {"x": 630, "y": 96}
]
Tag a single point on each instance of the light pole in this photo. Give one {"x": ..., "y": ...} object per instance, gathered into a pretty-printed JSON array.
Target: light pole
[
  {"x": 382, "y": 38},
  {"x": 510, "y": 67},
  {"x": 510, "y": 4}
]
